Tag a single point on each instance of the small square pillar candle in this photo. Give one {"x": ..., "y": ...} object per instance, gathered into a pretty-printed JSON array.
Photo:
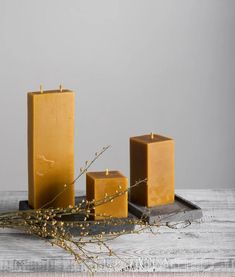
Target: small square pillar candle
[
  {"x": 51, "y": 148},
  {"x": 152, "y": 157},
  {"x": 105, "y": 184}
]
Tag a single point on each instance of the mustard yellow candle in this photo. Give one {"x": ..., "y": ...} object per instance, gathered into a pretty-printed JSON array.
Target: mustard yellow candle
[
  {"x": 104, "y": 184},
  {"x": 152, "y": 157},
  {"x": 50, "y": 147}
]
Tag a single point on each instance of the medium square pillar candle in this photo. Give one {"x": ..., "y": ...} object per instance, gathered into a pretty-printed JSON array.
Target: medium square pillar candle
[
  {"x": 152, "y": 157},
  {"x": 105, "y": 184},
  {"x": 51, "y": 148}
]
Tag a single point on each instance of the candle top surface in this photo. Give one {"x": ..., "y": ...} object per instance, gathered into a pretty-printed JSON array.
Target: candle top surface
[
  {"x": 150, "y": 138},
  {"x": 50, "y": 91},
  {"x": 103, "y": 175}
]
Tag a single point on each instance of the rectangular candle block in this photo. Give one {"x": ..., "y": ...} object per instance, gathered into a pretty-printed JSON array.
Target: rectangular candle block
[
  {"x": 100, "y": 185},
  {"x": 152, "y": 157},
  {"x": 51, "y": 148}
]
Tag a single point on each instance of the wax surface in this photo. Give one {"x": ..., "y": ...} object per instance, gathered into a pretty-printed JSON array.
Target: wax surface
[
  {"x": 50, "y": 148},
  {"x": 152, "y": 158},
  {"x": 98, "y": 184}
]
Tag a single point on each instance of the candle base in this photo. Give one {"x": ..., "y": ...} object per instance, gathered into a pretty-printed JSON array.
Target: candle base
[
  {"x": 180, "y": 210},
  {"x": 94, "y": 228}
]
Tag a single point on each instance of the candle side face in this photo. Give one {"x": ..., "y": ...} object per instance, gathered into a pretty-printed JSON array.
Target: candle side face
[
  {"x": 105, "y": 186},
  {"x": 138, "y": 171},
  {"x": 51, "y": 148},
  {"x": 152, "y": 158},
  {"x": 160, "y": 173}
]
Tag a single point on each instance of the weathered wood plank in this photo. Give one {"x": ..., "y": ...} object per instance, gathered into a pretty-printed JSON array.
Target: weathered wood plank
[
  {"x": 124, "y": 274},
  {"x": 206, "y": 245}
]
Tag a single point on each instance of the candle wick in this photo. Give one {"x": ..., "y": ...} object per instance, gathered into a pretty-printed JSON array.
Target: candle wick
[
  {"x": 41, "y": 89},
  {"x": 106, "y": 171}
]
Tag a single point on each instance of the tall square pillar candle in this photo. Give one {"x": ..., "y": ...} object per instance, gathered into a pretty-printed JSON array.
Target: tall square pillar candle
[
  {"x": 51, "y": 148},
  {"x": 152, "y": 157},
  {"x": 105, "y": 184}
]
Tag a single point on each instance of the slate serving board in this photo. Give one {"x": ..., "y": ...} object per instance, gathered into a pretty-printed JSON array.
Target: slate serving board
[
  {"x": 119, "y": 224},
  {"x": 180, "y": 210}
]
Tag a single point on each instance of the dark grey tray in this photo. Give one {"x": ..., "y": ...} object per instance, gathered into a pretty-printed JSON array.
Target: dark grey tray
[
  {"x": 180, "y": 210},
  {"x": 117, "y": 224}
]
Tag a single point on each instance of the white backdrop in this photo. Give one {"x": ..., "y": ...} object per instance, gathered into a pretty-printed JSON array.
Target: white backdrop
[{"x": 137, "y": 66}]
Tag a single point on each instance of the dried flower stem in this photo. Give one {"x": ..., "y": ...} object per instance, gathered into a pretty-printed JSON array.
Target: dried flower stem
[
  {"x": 84, "y": 170},
  {"x": 49, "y": 223}
]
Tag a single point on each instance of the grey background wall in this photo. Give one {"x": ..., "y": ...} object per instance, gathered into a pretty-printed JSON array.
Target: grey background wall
[{"x": 137, "y": 66}]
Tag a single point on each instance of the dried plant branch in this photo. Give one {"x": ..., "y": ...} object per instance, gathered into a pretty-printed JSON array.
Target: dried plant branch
[
  {"x": 50, "y": 224},
  {"x": 82, "y": 171}
]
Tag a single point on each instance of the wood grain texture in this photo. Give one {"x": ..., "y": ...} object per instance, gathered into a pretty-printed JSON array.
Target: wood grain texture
[
  {"x": 118, "y": 274},
  {"x": 207, "y": 245}
]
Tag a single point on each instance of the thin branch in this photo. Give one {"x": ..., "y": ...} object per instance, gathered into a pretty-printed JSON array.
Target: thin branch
[{"x": 87, "y": 166}]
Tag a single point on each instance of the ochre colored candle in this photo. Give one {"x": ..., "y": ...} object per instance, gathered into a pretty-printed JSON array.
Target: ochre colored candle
[
  {"x": 51, "y": 147},
  {"x": 152, "y": 157},
  {"x": 105, "y": 184}
]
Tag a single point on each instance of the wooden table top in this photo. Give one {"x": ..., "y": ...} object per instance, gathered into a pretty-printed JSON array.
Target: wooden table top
[{"x": 207, "y": 244}]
